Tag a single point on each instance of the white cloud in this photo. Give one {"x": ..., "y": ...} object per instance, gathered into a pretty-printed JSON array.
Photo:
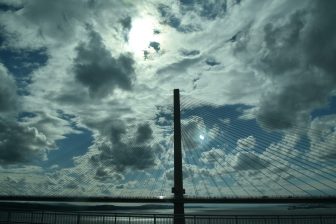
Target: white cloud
[
  {"x": 322, "y": 136},
  {"x": 246, "y": 143}
]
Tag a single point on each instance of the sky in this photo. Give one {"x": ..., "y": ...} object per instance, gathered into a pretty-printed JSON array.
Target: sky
[{"x": 86, "y": 97}]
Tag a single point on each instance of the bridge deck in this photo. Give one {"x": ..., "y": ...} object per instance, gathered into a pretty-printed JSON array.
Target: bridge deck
[{"x": 279, "y": 200}]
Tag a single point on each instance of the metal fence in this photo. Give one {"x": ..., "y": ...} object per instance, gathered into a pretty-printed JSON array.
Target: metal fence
[{"x": 47, "y": 217}]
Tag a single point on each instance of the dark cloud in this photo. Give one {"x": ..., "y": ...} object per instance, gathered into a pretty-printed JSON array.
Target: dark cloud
[
  {"x": 212, "y": 61},
  {"x": 95, "y": 68},
  {"x": 144, "y": 133},
  {"x": 127, "y": 153},
  {"x": 298, "y": 57},
  {"x": 115, "y": 131},
  {"x": 123, "y": 156},
  {"x": 7, "y": 91},
  {"x": 195, "y": 81},
  {"x": 188, "y": 53},
  {"x": 18, "y": 143},
  {"x": 210, "y": 9},
  {"x": 156, "y": 31},
  {"x": 126, "y": 24},
  {"x": 173, "y": 20},
  {"x": 146, "y": 54},
  {"x": 168, "y": 16},
  {"x": 104, "y": 174},
  {"x": 21, "y": 144},
  {"x": 155, "y": 45},
  {"x": 235, "y": 37},
  {"x": 9, "y": 7}
]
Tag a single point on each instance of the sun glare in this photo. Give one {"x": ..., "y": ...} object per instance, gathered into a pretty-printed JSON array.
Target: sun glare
[
  {"x": 201, "y": 137},
  {"x": 141, "y": 34}
]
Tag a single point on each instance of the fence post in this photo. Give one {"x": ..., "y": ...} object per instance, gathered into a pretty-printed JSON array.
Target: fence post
[
  {"x": 42, "y": 216},
  {"x": 194, "y": 219},
  {"x": 32, "y": 217},
  {"x": 78, "y": 218},
  {"x": 55, "y": 218},
  {"x": 154, "y": 219},
  {"x": 115, "y": 218},
  {"x": 9, "y": 217},
  {"x": 278, "y": 218}
]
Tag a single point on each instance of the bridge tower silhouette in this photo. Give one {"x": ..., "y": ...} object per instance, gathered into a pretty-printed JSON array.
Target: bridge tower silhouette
[{"x": 178, "y": 189}]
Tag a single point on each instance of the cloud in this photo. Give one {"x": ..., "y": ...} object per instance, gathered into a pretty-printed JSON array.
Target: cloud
[
  {"x": 122, "y": 156},
  {"x": 138, "y": 152},
  {"x": 104, "y": 174},
  {"x": 44, "y": 24},
  {"x": 296, "y": 61},
  {"x": 188, "y": 170},
  {"x": 246, "y": 143},
  {"x": 212, "y": 61},
  {"x": 206, "y": 9},
  {"x": 53, "y": 125},
  {"x": 195, "y": 133},
  {"x": 6, "y": 5},
  {"x": 8, "y": 99},
  {"x": 248, "y": 161},
  {"x": 212, "y": 156},
  {"x": 191, "y": 129},
  {"x": 144, "y": 133},
  {"x": 279, "y": 65},
  {"x": 322, "y": 136},
  {"x": 189, "y": 53},
  {"x": 155, "y": 45},
  {"x": 126, "y": 24},
  {"x": 179, "y": 67},
  {"x": 174, "y": 20},
  {"x": 21, "y": 144},
  {"x": 50, "y": 22},
  {"x": 95, "y": 68}
]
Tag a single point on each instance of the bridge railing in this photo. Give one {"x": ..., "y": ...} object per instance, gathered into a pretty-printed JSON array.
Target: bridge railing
[{"x": 48, "y": 217}]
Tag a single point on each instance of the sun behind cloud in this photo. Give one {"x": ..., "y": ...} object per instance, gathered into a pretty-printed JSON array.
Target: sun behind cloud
[{"x": 142, "y": 34}]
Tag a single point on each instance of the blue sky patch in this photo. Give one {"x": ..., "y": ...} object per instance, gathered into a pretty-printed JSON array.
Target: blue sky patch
[
  {"x": 71, "y": 146},
  {"x": 328, "y": 110},
  {"x": 20, "y": 63}
]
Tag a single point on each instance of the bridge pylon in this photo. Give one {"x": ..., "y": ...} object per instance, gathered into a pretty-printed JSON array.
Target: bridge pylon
[{"x": 178, "y": 189}]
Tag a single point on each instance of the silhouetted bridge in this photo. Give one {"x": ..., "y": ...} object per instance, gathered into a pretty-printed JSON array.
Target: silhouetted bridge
[{"x": 186, "y": 199}]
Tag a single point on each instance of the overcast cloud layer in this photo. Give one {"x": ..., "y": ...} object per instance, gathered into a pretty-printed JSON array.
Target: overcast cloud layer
[{"x": 104, "y": 71}]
